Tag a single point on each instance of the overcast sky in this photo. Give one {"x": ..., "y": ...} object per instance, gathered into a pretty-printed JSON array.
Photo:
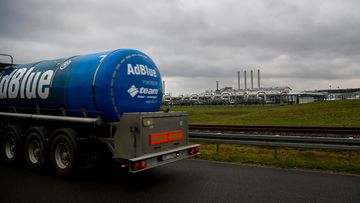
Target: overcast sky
[{"x": 307, "y": 44}]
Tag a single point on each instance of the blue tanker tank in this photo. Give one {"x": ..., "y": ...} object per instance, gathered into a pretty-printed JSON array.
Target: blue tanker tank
[{"x": 104, "y": 84}]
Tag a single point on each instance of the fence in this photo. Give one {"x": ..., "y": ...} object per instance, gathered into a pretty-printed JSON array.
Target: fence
[{"x": 349, "y": 144}]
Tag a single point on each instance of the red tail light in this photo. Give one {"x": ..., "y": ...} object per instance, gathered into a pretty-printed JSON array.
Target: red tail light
[
  {"x": 139, "y": 165},
  {"x": 193, "y": 151}
]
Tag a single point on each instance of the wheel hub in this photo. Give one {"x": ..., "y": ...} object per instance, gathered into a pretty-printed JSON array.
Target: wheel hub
[
  {"x": 10, "y": 147},
  {"x": 62, "y": 156},
  {"x": 34, "y": 151}
]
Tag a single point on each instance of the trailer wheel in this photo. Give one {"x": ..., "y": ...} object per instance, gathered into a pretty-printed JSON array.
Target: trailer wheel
[
  {"x": 10, "y": 144},
  {"x": 64, "y": 151},
  {"x": 35, "y": 149}
]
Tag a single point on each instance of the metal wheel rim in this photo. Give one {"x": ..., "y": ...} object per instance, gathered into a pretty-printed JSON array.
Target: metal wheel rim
[
  {"x": 62, "y": 156},
  {"x": 10, "y": 147},
  {"x": 34, "y": 152}
]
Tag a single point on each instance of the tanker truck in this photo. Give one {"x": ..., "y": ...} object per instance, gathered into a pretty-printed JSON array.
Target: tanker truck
[{"x": 68, "y": 113}]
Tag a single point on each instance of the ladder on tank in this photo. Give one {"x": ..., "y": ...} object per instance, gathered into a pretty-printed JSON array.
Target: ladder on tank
[{"x": 6, "y": 65}]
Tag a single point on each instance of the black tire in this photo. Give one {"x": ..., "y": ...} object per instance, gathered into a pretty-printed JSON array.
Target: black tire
[
  {"x": 64, "y": 151},
  {"x": 35, "y": 150},
  {"x": 10, "y": 144},
  {"x": 1, "y": 143}
]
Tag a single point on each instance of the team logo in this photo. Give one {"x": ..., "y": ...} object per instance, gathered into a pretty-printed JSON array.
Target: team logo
[
  {"x": 133, "y": 91},
  {"x": 65, "y": 64},
  {"x": 142, "y": 91}
]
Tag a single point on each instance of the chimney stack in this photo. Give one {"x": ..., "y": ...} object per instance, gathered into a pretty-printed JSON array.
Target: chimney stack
[
  {"x": 245, "y": 79},
  {"x": 259, "y": 78},
  {"x": 252, "y": 79},
  {"x": 238, "y": 80}
]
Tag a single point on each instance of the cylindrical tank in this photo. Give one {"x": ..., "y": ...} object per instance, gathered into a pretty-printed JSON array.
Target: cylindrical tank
[{"x": 104, "y": 84}]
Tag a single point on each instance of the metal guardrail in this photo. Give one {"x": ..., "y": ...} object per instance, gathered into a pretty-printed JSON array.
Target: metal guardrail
[
  {"x": 278, "y": 129},
  {"x": 349, "y": 144}
]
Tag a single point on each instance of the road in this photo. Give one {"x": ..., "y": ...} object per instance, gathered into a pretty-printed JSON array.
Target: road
[{"x": 185, "y": 181}]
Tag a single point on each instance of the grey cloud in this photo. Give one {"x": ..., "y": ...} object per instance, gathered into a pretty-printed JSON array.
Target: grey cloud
[{"x": 197, "y": 43}]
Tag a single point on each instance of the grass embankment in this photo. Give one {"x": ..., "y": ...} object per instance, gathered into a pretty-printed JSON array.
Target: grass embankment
[
  {"x": 286, "y": 157},
  {"x": 345, "y": 113}
]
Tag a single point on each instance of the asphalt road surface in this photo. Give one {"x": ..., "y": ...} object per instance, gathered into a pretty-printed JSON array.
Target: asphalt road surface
[{"x": 184, "y": 181}]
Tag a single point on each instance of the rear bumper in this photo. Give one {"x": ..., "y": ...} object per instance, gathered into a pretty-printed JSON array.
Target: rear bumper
[{"x": 161, "y": 158}]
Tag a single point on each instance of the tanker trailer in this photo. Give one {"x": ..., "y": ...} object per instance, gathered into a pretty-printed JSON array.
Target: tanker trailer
[{"x": 69, "y": 112}]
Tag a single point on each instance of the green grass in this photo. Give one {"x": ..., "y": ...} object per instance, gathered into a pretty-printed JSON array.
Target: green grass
[
  {"x": 343, "y": 113},
  {"x": 287, "y": 157}
]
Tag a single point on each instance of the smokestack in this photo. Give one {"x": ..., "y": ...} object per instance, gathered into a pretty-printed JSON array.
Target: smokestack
[
  {"x": 252, "y": 79},
  {"x": 245, "y": 79},
  {"x": 163, "y": 86},
  {"x": 259, "y": 78},
  {"x": 238, "y": 80},
  {"x": 217, "y": 85}
]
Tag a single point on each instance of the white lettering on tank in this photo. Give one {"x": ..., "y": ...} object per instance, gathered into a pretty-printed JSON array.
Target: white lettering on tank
[
  {"x": 31, "y": 85},
  {"x": 14, "y": 85},
  {"x": 4, "y": 85},
  {"x": 44, "y": 82},
  {"x": 23, "y": 82},
  {"x": 140, "y": 69},
  {"x": 130, "y": 70},
  {"x": 148, "y": 91},
  {"x": 65, "y": 64},
  {"x": 137, "y": 69}
]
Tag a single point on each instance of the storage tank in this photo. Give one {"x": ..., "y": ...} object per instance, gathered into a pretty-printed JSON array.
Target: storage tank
[{"x": 104, "y": 84}]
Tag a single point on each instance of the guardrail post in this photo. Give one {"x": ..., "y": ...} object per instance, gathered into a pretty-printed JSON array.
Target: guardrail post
[
  {"x": 275, "y": 153},
  {"x": 217, "y": 148},
  {"x": 349, "y": 157}
]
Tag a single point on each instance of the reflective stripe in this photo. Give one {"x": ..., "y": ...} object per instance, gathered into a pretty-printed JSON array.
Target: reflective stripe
[{"x": 164, "y": 137}]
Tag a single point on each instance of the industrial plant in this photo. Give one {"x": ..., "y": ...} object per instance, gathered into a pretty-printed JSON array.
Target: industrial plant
[{"x": 257, "y": 95}]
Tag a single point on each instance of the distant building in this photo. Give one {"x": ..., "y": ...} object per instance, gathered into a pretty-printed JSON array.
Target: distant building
[{"x": 260, "y": 96}]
